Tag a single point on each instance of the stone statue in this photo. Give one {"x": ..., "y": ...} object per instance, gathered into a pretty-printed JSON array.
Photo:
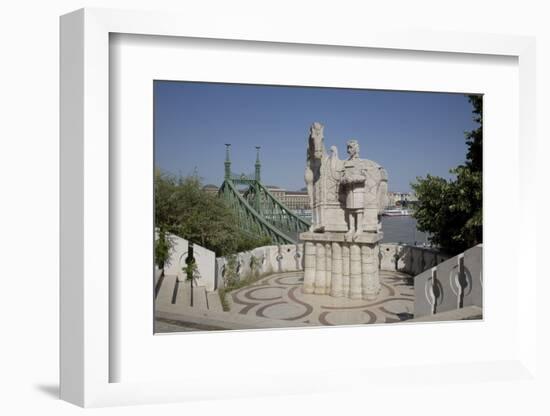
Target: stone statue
[
  {"x": 347, "y": 198},
  {"x": 322, "y": 177},
  {"x": 353, "y": 183},
  {"x": 364, "y": 186}
]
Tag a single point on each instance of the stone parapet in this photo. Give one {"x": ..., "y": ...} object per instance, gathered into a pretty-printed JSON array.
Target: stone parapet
[
  {"x": 450, "y": 285},
  {"x": 409, "y": 259},
  {"x": 342, "y": 237}
]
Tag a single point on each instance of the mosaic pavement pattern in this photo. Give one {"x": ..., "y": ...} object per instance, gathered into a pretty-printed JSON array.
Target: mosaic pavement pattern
[{"x": 280, "y": 296}]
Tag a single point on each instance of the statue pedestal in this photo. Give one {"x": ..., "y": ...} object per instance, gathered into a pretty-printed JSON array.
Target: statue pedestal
[{"x": 336, "y": 265}]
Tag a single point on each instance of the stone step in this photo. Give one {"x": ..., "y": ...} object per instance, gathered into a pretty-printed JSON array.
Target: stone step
[
  {"x": 214, "y": 303},
  {"x": 184, "y": 296},
  {"x": 166, "y": 291},
  {"x": 200, "y": 298}
]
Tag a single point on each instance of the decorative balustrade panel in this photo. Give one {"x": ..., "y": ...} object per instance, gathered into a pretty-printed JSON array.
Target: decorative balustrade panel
[
  {"x": 473, "y": 292},
  {"x": 447, "y": 277},
  {"x": 451, "y": 284},
  {"x": 424, "y": 296}
]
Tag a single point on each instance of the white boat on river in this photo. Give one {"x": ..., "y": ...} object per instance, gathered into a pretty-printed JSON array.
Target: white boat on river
[{"x": 396, "y": 212}]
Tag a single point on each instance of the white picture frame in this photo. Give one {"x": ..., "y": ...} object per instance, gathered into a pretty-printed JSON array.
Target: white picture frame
[{"x": 88, "y": 306}]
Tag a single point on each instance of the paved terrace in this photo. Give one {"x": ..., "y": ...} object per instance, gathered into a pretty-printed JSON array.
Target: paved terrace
[
  {"x": 277, "y": 301},
  {"x": 280, "y": 297}
]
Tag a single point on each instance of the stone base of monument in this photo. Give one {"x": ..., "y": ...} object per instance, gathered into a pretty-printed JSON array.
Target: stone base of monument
[{"x": 342, "y": 265}]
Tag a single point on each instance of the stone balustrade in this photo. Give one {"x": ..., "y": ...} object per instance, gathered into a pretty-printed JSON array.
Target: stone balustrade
[
  {"x": 262, "y": 261},
  {"x": 412, "y": 260},
  {"x": 205, "y": 260},
  {"x": 453, "y": 284},
  {"x": 409, "y": 259}
]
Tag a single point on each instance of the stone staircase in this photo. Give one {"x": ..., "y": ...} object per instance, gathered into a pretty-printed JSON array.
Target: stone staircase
[{"x": 176, "y": 296}]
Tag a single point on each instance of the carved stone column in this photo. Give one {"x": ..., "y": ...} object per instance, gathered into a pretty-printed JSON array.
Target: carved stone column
[
  {"x": 369, "y": 274},
  {"x": 345, "y": 269},
  {"x": 320, "y": 265},
  {"x": 376, "y": 277},
  {"x": 309, "y": 267},
  {"x": 337, "y": 284},
  {"x": 336, "y": 266},
  {"x": 328, "y": 268},
  {"x": 355, "y": 272}
]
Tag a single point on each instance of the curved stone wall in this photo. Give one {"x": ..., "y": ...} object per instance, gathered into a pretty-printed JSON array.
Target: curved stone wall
[
  {"x": 269, "y": 259},
  {"x": 408, "y": 259},
  {"x": 412, "y": 260}
]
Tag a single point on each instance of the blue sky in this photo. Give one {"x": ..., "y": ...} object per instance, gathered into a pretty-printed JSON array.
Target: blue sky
[{"x": 409, "y": 133}]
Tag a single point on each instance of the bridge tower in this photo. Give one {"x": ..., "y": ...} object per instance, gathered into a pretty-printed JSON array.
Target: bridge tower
[
  {"x": 257, "y": 175},
  {"x": 257, "y": 165},
  {"x": 227, "y": 163}
]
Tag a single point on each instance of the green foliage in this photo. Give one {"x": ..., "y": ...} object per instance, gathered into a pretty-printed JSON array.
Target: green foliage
[
  {"x": 191, "y": 271},
  {"x": 163, "y": 245},
  {"x": 222, "y": 293},
  {"x": 474, "y": 138},
  {"x": 254, "y": 266},
  {"x": 232, "y": 281},
  {"x": 183, "y": 208},
  {"x": 231, "y": 277},
  {"x": 451, "y": 210},
  {"x": 247, "y": 242}
]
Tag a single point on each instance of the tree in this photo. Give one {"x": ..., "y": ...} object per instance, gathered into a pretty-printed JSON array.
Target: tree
[
  {"x": 191, "y": 271},
  {"x": 183, "y": 208},
  {"x": 474, "y": 138},
  {"x": 451, "y": 210},
  {"x": 163, "y": 245}
]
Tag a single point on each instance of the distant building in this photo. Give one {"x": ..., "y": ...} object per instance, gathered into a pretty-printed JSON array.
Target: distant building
[
  {"x": 210, "y": 188},
  {"x": 396, "y": 199},
  {"x": 293, "y": 200},
  {"x": 299, "y": 200},
  {"x": 277, "y": 192}
]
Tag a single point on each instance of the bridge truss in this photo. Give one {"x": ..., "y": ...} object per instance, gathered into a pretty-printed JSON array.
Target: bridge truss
[{"x": 258, "y": 211}]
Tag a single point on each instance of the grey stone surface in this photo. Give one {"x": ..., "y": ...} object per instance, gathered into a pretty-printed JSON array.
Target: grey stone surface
[
  {"x": 473, "y": 292},
  {"x": 204, "y": 258},
  {"x": 342, "y": 237},
  {"x": 424, "y": 297},
  {"x": 446, "y": 281},
  {"x": 468, "y": 313},
  {"x": 267, "y": 260},
  {"x": 412, "y": 260},
  {"x": 394, "y": 303}
]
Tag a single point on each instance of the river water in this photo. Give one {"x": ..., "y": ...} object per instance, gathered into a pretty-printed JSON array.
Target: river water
[
  {"x": 398, "y": 230},
  {"x": 402, "y": 230}
]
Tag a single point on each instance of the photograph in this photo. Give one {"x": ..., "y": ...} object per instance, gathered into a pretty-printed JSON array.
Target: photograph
[{"x": 291, "y": 206}]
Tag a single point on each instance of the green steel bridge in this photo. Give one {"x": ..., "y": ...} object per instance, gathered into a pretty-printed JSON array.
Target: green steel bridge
[{"x": 258, "y": 211}]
